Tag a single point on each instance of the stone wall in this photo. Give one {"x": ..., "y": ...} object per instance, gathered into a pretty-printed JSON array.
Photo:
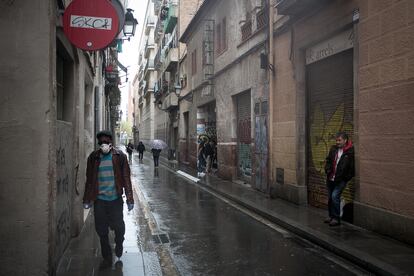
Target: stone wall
[
  {"x": 386, "y": 117},
  {"x": 26, "y": 135}
]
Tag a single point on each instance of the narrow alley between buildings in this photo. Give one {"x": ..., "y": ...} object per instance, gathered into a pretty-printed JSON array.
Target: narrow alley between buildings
[{"x": 180, "y": 228}]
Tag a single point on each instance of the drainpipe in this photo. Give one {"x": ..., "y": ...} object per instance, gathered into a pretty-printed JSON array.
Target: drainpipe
[{"x": 271, "y": 96}]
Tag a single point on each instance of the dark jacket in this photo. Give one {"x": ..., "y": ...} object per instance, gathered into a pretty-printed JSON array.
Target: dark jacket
[
  {"x": 122, "y": 175},
  {"x": 345, "y": 169},
  {"x": 156, "y": 152},
  {"x": 130, "y": 148},
  {"x": 141, "y": 148}
]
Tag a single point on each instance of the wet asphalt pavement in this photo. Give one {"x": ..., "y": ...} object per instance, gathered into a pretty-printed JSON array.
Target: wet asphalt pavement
[{"x": 194, "y": 232}]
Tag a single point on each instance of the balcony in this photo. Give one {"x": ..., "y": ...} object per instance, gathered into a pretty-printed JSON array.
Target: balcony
[
  {"x": 149, "y": 87},
  {"x": 171, "y": 59},
  {"x": 149, "y": 67},
  {"x": 170, "y": 102},
  {"x": 261, "y": 19},
  {"x": 159, "y": 59},
  {"x": 149, "y": 45},
  {"x": 171, "y": 19},
  {"x": 159, "y": 27},
  {"x": 157, "y": 6},
  {"x": 246, "y": 30},
  {"x": 296, "y": 7},
  {"x": 150, "y": 24}
]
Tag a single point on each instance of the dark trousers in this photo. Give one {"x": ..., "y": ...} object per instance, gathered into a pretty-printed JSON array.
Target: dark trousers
[
  {"x": 201, "y": 164},
  {"x": 140, "y": 155},
  {"x": 130, "y": 157},
  {"x": 109, "y": 214},
  {"x": 156, "y": 160},
  {"x": 335, "y": 190}
]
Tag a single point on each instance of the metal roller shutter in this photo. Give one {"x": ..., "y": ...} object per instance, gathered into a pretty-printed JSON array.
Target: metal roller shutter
[
  {"x": 244, "y": 121},
  {"x": 330, "y": 109}
]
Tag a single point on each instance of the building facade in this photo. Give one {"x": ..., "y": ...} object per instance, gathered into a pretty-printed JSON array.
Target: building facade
[
  {"x": 345, "y": 66},
  {"x": 227, "y": 88},
  {"x": 54, "y": 99},
  {"x": 157, "y": 107}
]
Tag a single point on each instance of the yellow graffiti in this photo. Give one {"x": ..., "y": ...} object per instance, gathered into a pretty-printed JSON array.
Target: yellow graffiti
[{"x": 322, "y": 137}]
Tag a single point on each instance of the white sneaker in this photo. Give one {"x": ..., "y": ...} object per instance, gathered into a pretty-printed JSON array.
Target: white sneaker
[{"x": 202, "y": 174}]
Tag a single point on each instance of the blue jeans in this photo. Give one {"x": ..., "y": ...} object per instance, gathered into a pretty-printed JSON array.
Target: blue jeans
[{"x": 335, "y": 190}]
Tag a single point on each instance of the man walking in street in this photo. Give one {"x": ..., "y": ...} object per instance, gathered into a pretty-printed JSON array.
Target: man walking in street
[
  {"x": 130, "y": 150},
  {"x": 107, "y": 175},
  {"x": 140, "y": 149},
  {"x": 339, "y": 169}
]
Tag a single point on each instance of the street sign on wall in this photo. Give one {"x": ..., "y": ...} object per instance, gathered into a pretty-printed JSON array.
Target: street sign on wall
[{"x": 90, "y": 24}]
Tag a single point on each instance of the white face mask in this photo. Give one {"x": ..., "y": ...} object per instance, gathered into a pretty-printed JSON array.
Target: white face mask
[{"x": 105, "y": 148}]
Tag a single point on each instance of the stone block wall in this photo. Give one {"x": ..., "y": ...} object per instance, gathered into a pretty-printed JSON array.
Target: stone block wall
[{"x": 386, "y": 114}]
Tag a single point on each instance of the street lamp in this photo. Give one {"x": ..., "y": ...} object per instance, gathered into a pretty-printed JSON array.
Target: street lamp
[{"x": 130, "y": 24}]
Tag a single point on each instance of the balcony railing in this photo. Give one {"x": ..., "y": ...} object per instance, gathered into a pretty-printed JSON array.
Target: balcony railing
[
  {"x": 246, "y": 30},
  {"x": 159, "y": 27},
  {"x": 171, "y": 59},
  {"x": 149, "y": 67},
  {"x": 170, "y": 101},
  {"x": 150, "y": 24},
  {"x": 159, "y": 59},
  {"x": 171, "y": 20},
  {"x": 157, "y": 6},
  {"x": 261, "y": 19},
  {"x": 148, "y": 46}
]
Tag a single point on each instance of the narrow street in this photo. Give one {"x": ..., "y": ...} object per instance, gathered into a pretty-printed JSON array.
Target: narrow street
[{"x": 197, "y": 233}]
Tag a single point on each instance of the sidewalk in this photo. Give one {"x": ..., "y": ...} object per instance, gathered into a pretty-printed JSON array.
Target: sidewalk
[
  {"x": 376, "y": 253},
  {"x": 83, "y": 255}
]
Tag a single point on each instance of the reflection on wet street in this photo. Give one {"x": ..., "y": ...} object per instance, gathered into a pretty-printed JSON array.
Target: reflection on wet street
[{"x": 196, "y": 233}]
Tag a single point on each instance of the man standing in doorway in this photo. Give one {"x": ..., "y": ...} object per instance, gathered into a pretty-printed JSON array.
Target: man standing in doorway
[
  {"x": 107, "y": 175},
  {"x": 339, "y": 169}
]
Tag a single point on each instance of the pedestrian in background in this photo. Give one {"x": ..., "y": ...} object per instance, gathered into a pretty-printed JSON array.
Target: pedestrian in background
[
  {"x": 156, "y": 155},
  {"x": 130, "y": 150},
  {"x": 339, "y": 169},
  {"x": 201, "y": 160},
  {"x": 140, "y": 149},
  {"x": 107, "y": 177},
  {"x": 209, "y": 155}
]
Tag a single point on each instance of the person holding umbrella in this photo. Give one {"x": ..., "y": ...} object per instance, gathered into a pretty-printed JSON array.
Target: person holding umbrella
[{"x": 156, "y": 148}]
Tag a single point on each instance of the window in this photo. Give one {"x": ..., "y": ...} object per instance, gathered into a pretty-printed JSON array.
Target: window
[
  {"x": 221, "y": 36},
  {"x": 194, "y": 62},
  {"x": 224, "y": 35}
]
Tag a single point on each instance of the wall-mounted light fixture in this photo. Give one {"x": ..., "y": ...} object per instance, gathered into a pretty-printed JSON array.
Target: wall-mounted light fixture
[{"x": 130, "y": 24}]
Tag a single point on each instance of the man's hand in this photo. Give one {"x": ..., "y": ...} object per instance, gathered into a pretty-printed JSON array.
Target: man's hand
[
  {"x": 87, "y": 205},
  {"x": 130, "y": 206}
]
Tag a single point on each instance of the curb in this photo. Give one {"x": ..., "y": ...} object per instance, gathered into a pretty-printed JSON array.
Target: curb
[{"x": 363, "y": 260}]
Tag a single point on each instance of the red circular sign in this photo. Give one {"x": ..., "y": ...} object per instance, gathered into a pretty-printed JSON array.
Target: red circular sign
[{"x": 90, "y": 24}]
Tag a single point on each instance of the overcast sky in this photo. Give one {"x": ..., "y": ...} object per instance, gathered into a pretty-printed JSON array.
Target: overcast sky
[{"x": 130, "y": 50}]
